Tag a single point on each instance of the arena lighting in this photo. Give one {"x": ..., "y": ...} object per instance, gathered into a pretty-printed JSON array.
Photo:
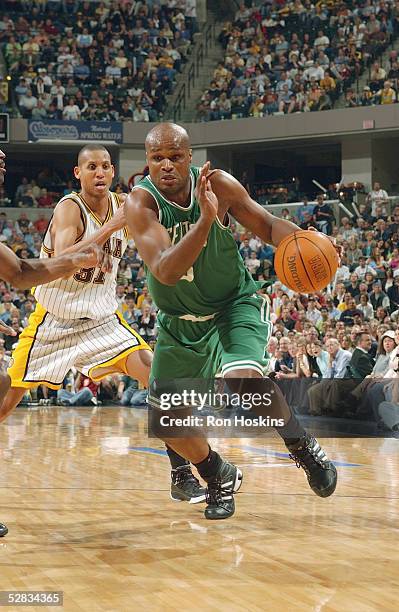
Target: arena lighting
[
  {"x": 341, "y": 193},
  {"x": 347, "y": 212},
  {"x": 318, "y": 185}
]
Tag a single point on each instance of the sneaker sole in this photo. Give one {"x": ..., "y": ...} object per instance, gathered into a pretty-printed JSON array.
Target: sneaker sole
[
  {"x": 327, "y": 491},
  {"x": 192, "y": 500}
]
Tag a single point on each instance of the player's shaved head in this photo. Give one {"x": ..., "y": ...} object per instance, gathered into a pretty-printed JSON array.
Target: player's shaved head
[
  {"x": 169, "y": 157},
  {"x": 85, "y": 152},
  {"x": 167, "y": 134}
]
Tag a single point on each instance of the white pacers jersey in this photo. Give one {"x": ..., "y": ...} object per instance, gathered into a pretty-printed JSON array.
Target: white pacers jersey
[{"x": 89, "y": 293}]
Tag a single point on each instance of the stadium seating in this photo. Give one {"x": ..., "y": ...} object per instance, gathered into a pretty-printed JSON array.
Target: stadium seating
[
  {"x": 93, "y": 60},
  {"x": 289, "y": 57}
]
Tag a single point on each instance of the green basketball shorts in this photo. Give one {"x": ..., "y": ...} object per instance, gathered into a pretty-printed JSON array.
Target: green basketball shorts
[{"x": 205, "y": 347}]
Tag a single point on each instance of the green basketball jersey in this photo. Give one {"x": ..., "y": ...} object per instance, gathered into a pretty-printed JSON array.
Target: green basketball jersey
[{"x": 217, "y": 277}]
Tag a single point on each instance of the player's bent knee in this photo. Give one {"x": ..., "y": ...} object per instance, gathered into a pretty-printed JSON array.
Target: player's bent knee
[
  {"x": 4, "y": 386},
  {"x": 138, "y": 365},
  {"x": 145, "y": 357},
  {"x": 11, "y": 399}
]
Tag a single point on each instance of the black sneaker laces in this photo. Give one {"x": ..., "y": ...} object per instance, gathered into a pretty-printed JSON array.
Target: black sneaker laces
[
  {"x": 185, "y": 476},
  {"x": 213, "y": 495},
  {"x": 308, "y": 455}
]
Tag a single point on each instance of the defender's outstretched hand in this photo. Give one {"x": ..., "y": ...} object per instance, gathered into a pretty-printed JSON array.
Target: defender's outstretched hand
[
  {"x": 5, "y": 329},
  {"x": 93, "y": 256}
]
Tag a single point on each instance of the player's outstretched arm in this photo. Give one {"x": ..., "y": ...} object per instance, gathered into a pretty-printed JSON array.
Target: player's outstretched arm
[
  {"x": 167, "y": 262},
  {"x": 67, "y": 226},
  {"x": 24, "y": 273},
  {"x": 7, "y": 330},
  {"x": 232, "y": 196}
]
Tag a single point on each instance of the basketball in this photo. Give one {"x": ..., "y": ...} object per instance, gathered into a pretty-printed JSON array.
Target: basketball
[{"x": 306, "y": 261}]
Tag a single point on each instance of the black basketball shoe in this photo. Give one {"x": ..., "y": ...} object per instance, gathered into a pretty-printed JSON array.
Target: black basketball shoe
[
  {"x": 185, "y": 486},
  {"x": 320, "y": 471},
  {"x": 220, "y": 492},
  {"x": 3, "y": 530}
]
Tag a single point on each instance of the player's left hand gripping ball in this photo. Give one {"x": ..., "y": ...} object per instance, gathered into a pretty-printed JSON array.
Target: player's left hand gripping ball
[{"x": 337, "y": 247}]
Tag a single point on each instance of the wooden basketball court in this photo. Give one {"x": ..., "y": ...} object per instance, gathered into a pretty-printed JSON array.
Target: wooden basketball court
[{"x": 85, "y": 496}]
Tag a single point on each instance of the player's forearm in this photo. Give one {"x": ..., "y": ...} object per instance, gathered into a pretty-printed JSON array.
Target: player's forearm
[
  {"x": 281, "y": 228},
  {"x": 99, "y": 238},
  {"x": 40, "y": 271},
  {"x": 176, "y": 260}
]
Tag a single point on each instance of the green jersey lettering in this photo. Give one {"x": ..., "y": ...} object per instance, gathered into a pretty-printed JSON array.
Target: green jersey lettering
[{"x": 216, "y": 279}]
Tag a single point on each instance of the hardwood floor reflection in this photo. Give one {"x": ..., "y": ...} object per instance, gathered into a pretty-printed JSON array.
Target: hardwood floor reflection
[{"x": 86, "y": 498}]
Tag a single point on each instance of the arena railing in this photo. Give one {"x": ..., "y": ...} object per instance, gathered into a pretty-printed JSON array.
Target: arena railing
[
  {"x": 13, "y": 212},
  {"x": 276, "y": 209},
  {"x": 192, "y": 70},
  {"x": 338, "y": 207}
]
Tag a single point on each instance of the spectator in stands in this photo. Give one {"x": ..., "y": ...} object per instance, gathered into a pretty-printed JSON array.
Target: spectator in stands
[
  {"x": 323, "y": 216},
  {"x": 326, "y": 394},
  {"x": 378, "y": 297},
  {"x": 377, "y": 76},
  {"x": 308, "y": 221},
  {"x": 305, "y": 207},
  {"x": 253, "y": 264},
  {"x": 362, "y": 269},
  {"x": 6, "y": 315},
  {"x": 71, "y": 111},
  {"x": 321, "y": 356},
  {"x": 45, "y": 200},
  {"x": 393, "y": 294},
  {"x": 360, "y": 396},
  {"x": 140, "y": 114},
  {"x": 27, "y": 103},
  {"x": 85, "y": 395},
  {"x": 27, "y": 200},
  {"x": 366, "y": 307},
  {"x": 146, "y": 323},
  {"x": 377, "y": 197},
  {"x": 130, "y": 394},
  {"x": 313, "y": 312},
  {"x": 386, "y": 95}
]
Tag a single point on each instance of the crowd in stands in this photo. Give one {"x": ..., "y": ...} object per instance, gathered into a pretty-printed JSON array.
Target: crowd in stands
[
  {"x": 349, "y": 332},
  {"x": 382, "y": 86},
  {"x": 44, "y": 190},
  {"x": 288, "y": 57},
  {"x": 107, "y": 61}
]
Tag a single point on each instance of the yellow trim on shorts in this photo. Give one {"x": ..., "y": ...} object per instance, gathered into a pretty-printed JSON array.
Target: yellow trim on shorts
[
  {"x": 20, "y": 356},
  {"x": 119, "y": 361},
  {"x": 33, "y": 385}
]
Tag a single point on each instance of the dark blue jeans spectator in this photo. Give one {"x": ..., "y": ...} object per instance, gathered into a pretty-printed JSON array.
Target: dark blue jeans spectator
[{"x": 83, "y": 397}]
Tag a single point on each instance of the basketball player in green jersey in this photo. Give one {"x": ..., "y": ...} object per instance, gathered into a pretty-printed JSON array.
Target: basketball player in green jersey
[{"x": 211, "y": 319}]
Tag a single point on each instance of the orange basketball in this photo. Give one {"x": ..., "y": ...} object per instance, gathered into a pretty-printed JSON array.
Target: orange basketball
[{"x": 306, "y": 261}]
